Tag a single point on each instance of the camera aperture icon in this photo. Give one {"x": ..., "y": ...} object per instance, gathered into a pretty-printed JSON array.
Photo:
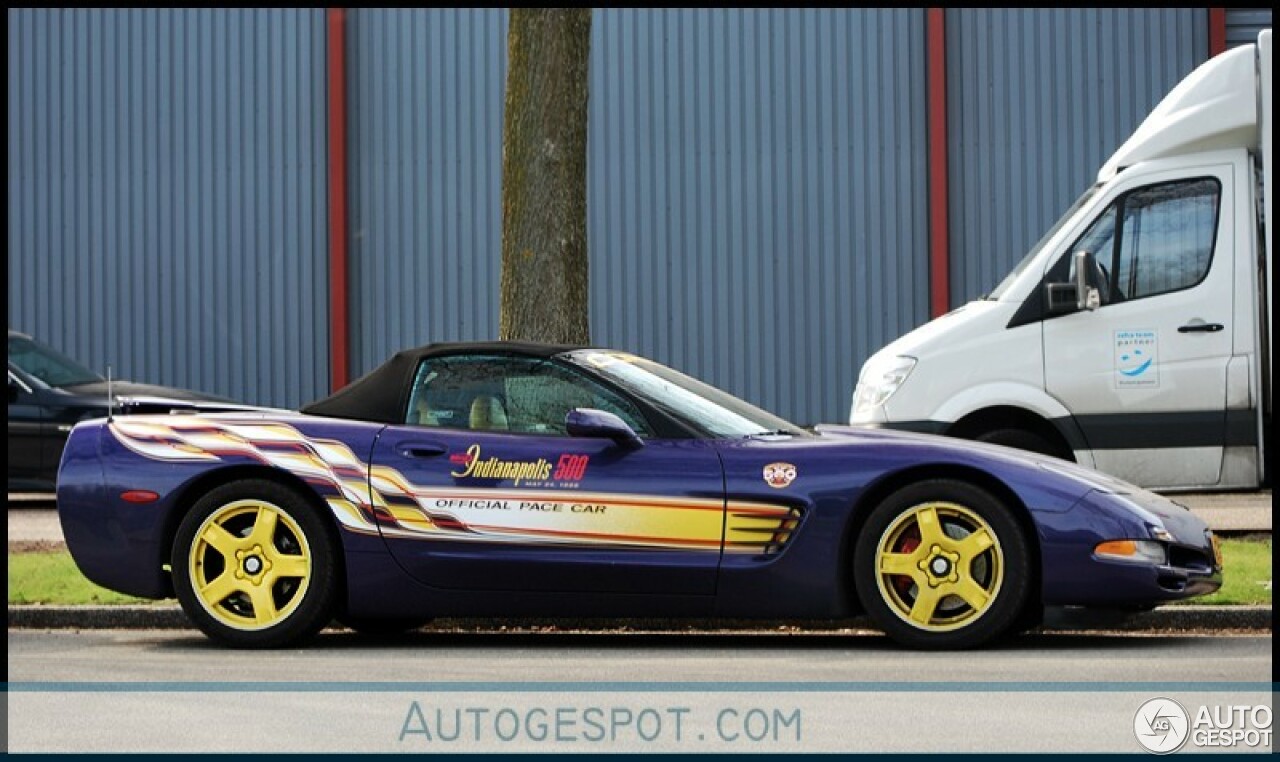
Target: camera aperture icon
[{"x": 1161, "y": 725}]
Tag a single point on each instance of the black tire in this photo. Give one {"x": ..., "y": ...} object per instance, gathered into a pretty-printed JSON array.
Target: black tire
[
  {"x": 297, "y": 606},
  {"x": 381, "y": 628},
  {"x": 1024, "y": 439},
  {"x": 1002, "y": 572}
]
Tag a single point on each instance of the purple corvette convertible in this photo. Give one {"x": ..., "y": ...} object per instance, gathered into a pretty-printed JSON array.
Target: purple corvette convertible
[{"x": 508, "y": 479}]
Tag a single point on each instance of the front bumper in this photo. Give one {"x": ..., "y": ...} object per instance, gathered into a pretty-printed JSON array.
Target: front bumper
[{"x": 1075, "y": 576}]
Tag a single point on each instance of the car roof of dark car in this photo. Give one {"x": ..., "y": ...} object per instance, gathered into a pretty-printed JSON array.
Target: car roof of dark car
[{"x": 382, "y": 394}]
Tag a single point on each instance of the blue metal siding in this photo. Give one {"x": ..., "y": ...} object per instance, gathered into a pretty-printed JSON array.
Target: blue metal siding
[
  {"x": 167, "y": 195},
  {"x": 757, "y": 181},
  {"x": 1243, "y": 25},
  {"x": 1036, "y": 102},
  {"x": 426, "y": 89},
  {"x": 756, "y": 189},
  {"x": 757, "y": 195}
]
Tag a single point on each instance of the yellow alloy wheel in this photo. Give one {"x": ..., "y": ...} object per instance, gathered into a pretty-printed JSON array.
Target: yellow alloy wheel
[
  {"x": 250, "y": 564},
  {"x": 939, "y": 566}
]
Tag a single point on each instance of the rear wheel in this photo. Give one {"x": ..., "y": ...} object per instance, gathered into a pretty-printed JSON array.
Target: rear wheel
[
  {"x": 942, "y": 564},
  {"x": 254, "y": 566}
]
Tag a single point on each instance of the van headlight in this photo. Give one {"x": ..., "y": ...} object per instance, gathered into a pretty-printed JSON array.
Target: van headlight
[{"x": 878, "y": 382}]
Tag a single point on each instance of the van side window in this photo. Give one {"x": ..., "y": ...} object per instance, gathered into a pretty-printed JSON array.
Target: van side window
[{"x": 1153, "y": 240}]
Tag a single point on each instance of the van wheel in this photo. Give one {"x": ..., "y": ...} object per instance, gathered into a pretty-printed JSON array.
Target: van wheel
[
  {"x": 943, "y": 564},
  {"x": 254, "y": 566},
  {"x": 1023, "y": 439}
]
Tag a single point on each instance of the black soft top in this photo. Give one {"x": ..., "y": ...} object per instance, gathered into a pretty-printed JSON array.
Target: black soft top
[{"x": 383, "y": 394}]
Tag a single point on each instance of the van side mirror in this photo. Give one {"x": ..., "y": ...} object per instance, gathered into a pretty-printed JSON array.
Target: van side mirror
[
  {"x": 1060, "y": 298},
  {"x": 1087, "y": 297}
]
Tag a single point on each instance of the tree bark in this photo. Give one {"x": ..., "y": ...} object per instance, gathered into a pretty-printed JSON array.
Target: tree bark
[{"x": 544, "y": 178}]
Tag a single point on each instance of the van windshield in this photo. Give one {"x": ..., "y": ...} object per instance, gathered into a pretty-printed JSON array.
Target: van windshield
[{"x": 1009, "y": 279}]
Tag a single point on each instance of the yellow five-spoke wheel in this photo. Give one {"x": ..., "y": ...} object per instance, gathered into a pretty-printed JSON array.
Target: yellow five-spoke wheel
[
  {"x": 942, "y": 564},
  {"x": 254, "y": 565}
]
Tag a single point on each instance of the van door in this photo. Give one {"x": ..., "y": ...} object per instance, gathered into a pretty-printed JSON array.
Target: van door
[{"x": 1145, "y": 374}]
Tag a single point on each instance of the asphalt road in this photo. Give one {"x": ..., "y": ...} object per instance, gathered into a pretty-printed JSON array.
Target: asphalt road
[{"x": 175, "y": 691}]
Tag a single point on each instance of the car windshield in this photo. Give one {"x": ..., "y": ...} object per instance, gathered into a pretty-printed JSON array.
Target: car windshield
[
  {"x": 709, "y": 410},
  {"x": 47, "y": 364},
  {"x": 1030, "y": 257}
]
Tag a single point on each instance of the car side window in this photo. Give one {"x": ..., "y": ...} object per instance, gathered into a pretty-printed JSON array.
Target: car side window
[
  {"x": 1150, "y": 241},
  {"x": 514, "y": 394}
]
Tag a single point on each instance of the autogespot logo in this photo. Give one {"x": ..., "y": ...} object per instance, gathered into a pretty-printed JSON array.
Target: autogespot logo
[{"x": 1161, "y": 725}]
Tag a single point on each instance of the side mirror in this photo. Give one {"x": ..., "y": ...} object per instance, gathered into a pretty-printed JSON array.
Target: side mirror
[
  {"x": 1060, "y": 298},
  {"x": 1087, "y": 297},
  {"x": 589, "y": 422}
]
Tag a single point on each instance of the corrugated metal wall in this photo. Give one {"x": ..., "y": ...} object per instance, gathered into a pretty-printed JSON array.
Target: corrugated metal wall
[
  {"x": 1243, "y": 25},
  {"x": 757, "y": 181},
  {"x": 758, "y": 194},
  {"x": 1037, "y": 100},
  {"x": 425, "y": 94},
  {"x": 756, "y": 189},
  {"x": 167, "y": 195}
]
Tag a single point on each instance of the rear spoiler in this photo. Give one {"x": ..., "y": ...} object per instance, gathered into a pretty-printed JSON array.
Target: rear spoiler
[{"x": 141, "y": 405}]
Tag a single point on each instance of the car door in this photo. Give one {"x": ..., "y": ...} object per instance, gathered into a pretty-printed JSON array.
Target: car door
[
  {"x": 26, "y": 430},
  {"x": 483, "y": 489},
  {"x": 1145, "y": 374}
]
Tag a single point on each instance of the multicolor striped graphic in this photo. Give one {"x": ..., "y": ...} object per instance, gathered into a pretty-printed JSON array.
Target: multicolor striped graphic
[{"x": 378, "y": 499}]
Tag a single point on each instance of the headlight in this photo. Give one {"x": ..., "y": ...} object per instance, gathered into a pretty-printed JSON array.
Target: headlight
[
  {"x": 1148, "y": 551},
  {"x": 879, "y": 382}
]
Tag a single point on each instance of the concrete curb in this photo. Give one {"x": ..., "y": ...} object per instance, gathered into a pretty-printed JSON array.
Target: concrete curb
[{"x": 169, "y": 617}]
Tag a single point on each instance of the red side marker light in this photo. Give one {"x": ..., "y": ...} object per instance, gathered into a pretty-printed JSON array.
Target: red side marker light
[{"x": 139, "y": 496}]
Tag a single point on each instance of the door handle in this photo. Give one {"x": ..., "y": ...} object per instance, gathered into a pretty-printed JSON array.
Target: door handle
[
  {"x": 1200, "y": 328},
  {"x": 421, "y": 449}
]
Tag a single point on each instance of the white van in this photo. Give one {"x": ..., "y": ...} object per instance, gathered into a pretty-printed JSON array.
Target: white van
[{"x": 1135, "y": 336}]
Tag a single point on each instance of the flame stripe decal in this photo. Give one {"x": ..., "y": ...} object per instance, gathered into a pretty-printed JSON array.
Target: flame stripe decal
[{"x": 378, "y": 499}]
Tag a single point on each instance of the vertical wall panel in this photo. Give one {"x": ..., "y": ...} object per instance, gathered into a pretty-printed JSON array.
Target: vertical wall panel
[
  {"x": 167, "y": 195},
  {"x": 757, "y": 194},
  {"x": 1243, "y": 25},
  {"x": 1037, "y": 100},
  {"x": 425, "y": 93},
  {"x": 756, "y": 189}
]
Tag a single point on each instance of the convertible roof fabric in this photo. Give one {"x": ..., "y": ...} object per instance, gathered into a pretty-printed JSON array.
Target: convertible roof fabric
[{"x": 383, "y": 394}]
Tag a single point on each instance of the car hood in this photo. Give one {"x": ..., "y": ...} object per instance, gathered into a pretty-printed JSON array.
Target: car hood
[{"x": 1042, "y": 482}]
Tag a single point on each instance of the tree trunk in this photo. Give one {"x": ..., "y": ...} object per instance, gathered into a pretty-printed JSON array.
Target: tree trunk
[{"x": 544, "y": 178}]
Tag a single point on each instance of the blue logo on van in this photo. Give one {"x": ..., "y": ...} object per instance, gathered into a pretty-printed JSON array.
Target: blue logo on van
[{"x": 1136, "y": 357}]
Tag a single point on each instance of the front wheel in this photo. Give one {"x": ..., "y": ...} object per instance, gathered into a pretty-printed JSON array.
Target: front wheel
[
  {"x": 254, "y": 566},
  {"x": 942, "y": 564}
]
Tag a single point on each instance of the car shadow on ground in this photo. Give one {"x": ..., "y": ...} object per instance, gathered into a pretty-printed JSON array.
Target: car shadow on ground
[{"x": 685, "y": 641}]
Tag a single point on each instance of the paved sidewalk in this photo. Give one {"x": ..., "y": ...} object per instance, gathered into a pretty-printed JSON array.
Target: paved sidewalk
[
  {"x": 1223, "y": 511},
  {"x": 1231, "y": 511}
]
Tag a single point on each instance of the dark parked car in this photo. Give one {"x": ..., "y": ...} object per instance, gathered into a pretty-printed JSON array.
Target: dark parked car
[{"x": 49, "y": 393}]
